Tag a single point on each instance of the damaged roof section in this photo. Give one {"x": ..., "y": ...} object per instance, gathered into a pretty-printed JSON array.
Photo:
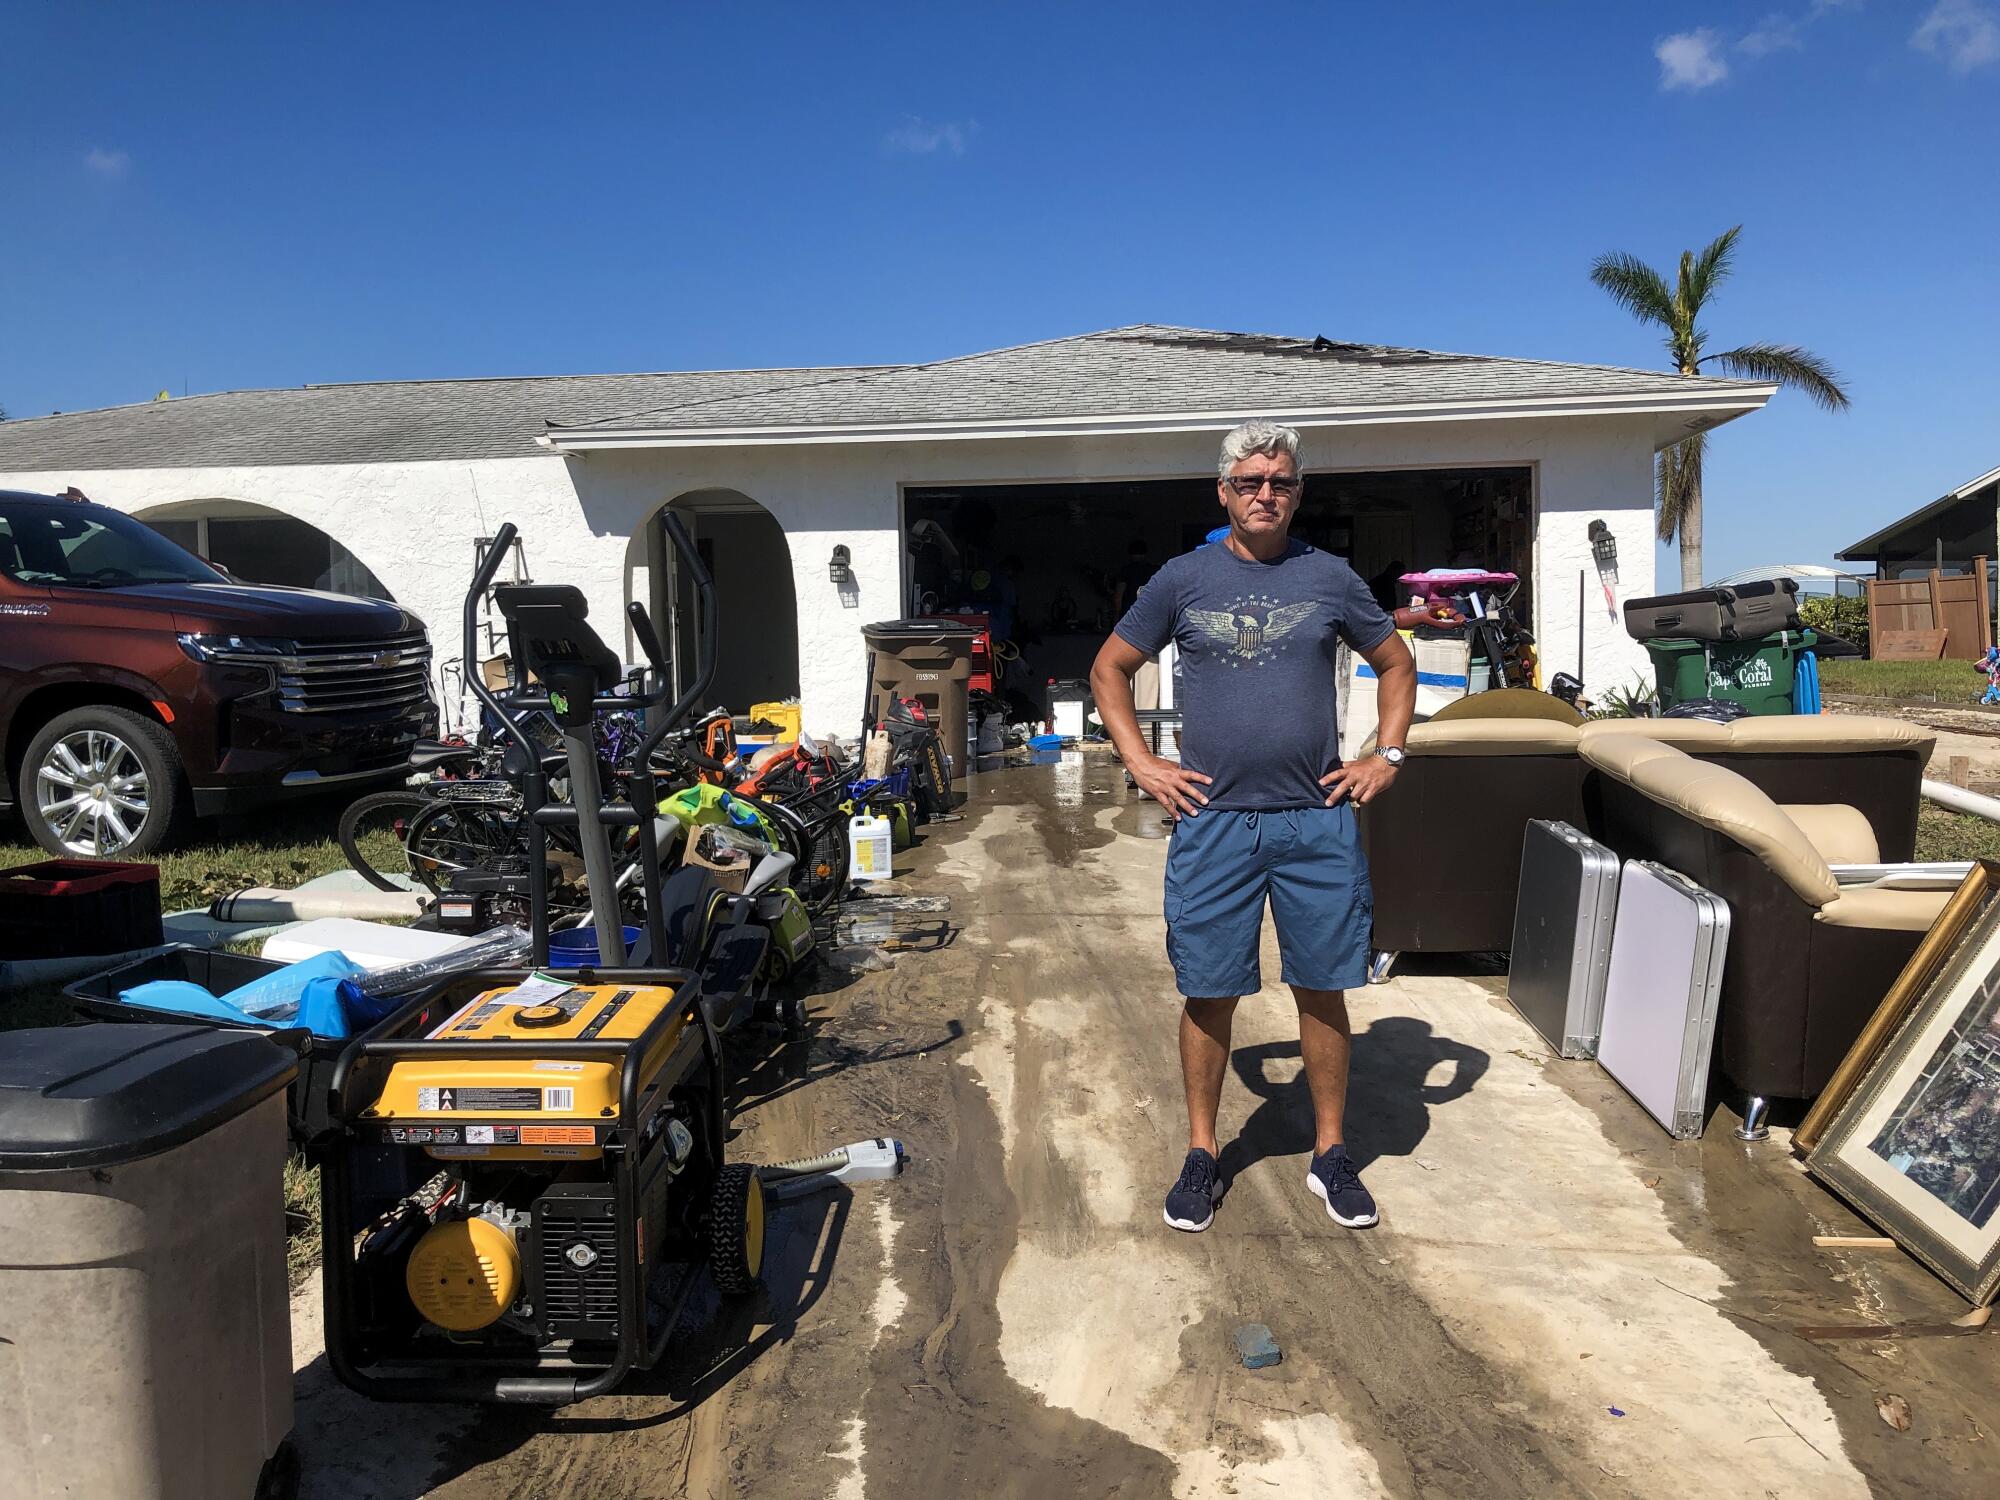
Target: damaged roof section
[{"x": 1145, "y": 377}]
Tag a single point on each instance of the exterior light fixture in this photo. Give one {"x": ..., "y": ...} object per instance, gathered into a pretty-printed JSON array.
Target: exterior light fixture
[{"x": 841, "y": 569}]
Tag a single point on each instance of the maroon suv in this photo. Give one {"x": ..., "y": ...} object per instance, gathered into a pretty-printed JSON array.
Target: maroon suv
[{"x": 139, "y": 686}]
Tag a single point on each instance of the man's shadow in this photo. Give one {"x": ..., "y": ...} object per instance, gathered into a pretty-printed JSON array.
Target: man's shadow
[{"x": 1388, "y": 1100}]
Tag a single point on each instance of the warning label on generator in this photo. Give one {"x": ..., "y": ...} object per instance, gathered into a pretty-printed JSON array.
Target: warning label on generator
[{"x": 480, "y": 1100}]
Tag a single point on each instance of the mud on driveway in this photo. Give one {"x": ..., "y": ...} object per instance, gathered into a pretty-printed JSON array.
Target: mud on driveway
[{"x": 1559, "y": 1300}]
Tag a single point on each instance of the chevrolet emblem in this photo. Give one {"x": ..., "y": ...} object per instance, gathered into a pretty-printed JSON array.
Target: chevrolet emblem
[{"x": 389, "y": 659}]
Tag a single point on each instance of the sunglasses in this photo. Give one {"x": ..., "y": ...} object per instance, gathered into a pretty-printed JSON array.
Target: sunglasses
[{"x": 1247, "y": 485}]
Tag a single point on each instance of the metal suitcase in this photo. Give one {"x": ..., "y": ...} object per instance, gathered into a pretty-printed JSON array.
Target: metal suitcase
[
  {"x": 1562, "y": 935},
  {"x": 1743, "y": 613},
  {"x": 1661, "y": 994}
]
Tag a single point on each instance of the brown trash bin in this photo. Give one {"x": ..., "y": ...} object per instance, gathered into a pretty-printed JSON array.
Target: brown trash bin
[{"x": 931, "y": 661}]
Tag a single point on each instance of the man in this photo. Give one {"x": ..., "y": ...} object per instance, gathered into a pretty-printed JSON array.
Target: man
[{"x": 1263, "y": 805}]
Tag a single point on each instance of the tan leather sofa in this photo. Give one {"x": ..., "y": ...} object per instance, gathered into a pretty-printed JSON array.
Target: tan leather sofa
[
  {"x": 1807, "y": 963},
  {"x": 1444, "y": 845}
]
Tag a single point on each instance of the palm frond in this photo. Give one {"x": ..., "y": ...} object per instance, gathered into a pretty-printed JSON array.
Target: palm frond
[
  {"x": 1634, "y": 286},
  {"x": 1679, "y": 484},
  {"x": 1708, "y": 270},
  {"x": 1788, "y": 365}
]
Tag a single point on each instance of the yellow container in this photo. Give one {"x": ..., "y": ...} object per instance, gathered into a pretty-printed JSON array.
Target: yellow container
[{"x": 784, "y": 715}]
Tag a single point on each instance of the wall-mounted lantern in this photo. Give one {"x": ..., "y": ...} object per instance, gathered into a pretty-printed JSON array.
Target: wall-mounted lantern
[{"x": 841, "y": 568}]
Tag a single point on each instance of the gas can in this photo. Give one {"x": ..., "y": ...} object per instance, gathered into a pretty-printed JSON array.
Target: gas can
[{"x": 870, "y": 845}]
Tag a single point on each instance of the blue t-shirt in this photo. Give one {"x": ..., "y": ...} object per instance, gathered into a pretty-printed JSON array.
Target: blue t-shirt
[{"x": 1260, "y": 710}]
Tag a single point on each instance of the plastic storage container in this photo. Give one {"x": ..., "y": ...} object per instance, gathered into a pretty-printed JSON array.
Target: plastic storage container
[
  {"x": 871, "y": 847},
  {"x": 68, "y": 908},
  {"x": 218, "y": 973},
  {"x": 1758, "y": 674},
  {"x": 148, "y": 1348}
]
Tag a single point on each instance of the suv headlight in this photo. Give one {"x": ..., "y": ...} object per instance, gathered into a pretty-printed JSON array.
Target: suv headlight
[{"x": 256, "y": 648}]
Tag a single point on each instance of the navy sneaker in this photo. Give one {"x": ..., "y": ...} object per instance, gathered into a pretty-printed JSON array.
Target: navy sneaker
[
  {"x": 1191, "y": 1203},
  {"x": 1336, "y": 1183}
]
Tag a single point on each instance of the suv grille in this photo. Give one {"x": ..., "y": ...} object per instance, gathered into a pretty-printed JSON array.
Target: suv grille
[{"x": 323, "y": 677}]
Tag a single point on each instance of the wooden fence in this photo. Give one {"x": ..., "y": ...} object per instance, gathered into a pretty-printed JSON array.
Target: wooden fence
[{"x": 1957, "y": 604}]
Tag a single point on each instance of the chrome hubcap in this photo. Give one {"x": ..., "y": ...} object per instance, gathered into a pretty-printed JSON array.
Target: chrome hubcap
[{"x": 92, "y": 790}]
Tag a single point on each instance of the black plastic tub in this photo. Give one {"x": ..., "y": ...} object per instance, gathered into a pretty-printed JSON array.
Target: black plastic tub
[{"x": 97, "y": 997}]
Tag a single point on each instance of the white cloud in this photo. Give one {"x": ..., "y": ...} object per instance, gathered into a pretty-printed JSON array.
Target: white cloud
[
  {"x": 1691, "y": 60},
  {"x": 1775, "y": 33},
  {"x": 107, "y": 163},
  {"x": 1964, "y": 34},
  {"x": 915, "y": 137}
]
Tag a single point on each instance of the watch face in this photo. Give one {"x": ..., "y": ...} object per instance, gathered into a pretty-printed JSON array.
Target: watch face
[{"x": 1393, "y": 756}]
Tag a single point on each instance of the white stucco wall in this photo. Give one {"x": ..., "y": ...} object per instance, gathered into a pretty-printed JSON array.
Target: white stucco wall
[{"x": 413, "y": 524}]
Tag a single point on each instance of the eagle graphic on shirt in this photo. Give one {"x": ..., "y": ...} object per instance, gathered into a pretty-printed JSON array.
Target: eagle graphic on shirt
[{"x": 1252, "y": 628}]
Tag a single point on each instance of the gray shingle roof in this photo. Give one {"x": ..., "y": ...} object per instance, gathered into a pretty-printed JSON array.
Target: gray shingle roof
[
  {"x": 1150, "y": 369},
  {"x": 1145, "y": 369}
]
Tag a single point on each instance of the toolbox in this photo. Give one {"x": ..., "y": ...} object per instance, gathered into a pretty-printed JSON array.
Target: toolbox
[
  {"x": 1662, "y": 993},
  {"x": 1562, "y": 935}
]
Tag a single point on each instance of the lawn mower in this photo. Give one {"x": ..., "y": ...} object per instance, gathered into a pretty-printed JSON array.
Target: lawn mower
[{"x": 526, "y": 1172}]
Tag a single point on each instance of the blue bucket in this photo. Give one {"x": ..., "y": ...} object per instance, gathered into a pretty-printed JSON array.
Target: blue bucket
[{"x": 576, "y": 947}]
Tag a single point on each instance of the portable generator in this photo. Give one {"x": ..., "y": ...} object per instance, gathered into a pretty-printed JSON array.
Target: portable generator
[
  {"x": 529, "y": 1180},
  {"x": 526, "y": 1172}
]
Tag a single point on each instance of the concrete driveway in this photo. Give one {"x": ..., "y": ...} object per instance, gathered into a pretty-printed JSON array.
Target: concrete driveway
[{"x": 1559, "y": 1299}]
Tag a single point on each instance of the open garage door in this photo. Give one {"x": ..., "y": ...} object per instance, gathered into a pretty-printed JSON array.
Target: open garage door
[{"x": 1053, "y": 564}]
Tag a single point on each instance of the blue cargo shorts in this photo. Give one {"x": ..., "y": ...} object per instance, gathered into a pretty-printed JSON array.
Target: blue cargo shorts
[{"x": 1221, "y": 867}]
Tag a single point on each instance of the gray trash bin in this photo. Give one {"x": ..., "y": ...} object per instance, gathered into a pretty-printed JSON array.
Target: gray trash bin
[{"x": 145, "y": 1334}]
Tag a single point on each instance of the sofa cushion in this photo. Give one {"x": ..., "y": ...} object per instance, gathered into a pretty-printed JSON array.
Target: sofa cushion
[
  {"x": 1826, "y": 734},
  {"x": 1870, "y": 906},
  {"x": 1717, "y": 798},
  {"x": 1841, "y": 833},
  {"x": 1492, "y": 737},
  {"x": 1693, "y": 735}
]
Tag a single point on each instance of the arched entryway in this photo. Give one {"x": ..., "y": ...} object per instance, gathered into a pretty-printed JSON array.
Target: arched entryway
[
  {"x": 260, "y": 545},
  {"x": 757, "y": 623}
]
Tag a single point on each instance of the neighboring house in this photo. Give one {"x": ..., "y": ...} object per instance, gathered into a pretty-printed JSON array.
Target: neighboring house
[
  {"x": 1041, "y": 463},
  {"x": 1949, "y": 534}
]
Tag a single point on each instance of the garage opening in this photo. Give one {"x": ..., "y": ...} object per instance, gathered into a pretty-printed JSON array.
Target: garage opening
[
  {"x": 1054, "y": 564},
  {"x": 261, "y": 545}
]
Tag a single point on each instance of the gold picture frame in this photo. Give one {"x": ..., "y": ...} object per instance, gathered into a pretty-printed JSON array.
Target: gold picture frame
[
  {"x": 1980, "y": 882},
  {"x": 1914, "y": 1144}
]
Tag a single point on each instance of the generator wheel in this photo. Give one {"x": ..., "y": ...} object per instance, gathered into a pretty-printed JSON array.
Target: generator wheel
[{"x": 736, "y": 1231}]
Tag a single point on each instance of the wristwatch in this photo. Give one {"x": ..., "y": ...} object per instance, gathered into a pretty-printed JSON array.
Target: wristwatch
[{"x": 1392, "y": 754}]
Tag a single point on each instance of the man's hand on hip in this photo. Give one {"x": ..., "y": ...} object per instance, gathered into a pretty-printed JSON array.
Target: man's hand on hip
[
  {"x": 1363, "y": 780},
  {"x": 1170, "y": 784}
]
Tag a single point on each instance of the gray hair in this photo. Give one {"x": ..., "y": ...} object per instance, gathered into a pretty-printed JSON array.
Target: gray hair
[{"x": 1272, "y": 438}]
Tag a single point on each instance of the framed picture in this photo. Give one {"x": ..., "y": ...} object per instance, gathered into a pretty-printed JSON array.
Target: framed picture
[
  {"x": 1916, "y": 1144},
  {"x": 1938, "y": 945}
]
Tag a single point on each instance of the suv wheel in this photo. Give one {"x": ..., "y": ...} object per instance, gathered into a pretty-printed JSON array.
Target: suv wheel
[{"x": 101, "y": 782}]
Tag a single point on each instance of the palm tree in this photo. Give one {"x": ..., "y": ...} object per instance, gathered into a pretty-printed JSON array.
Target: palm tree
[{"x": 1643, "y": 292}]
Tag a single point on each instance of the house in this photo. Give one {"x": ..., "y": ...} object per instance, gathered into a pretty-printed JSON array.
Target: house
[
  {"x": 1041, "y": 465},
  {"x": 1949, "y": 534}
]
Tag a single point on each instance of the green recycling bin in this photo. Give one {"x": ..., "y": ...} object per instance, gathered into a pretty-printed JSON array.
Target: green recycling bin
[{"x": 1757, "y": 674}]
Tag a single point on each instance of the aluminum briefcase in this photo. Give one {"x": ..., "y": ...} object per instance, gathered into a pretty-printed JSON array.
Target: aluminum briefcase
[
  {"x": 1562, "y": 935},
  {"x": 1660, "y": 997},
  {"x": 1742, "y": 613}
]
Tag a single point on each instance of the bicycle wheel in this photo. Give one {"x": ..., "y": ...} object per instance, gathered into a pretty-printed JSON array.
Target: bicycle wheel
[
  {"x": 372, "y": 833},
  {"x": 448, "y": 837}
]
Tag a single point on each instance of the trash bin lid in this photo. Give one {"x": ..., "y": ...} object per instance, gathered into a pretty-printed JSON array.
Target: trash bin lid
[
  {"x": 73, "y": 1097},
  {"x": 925, "y": 629}
]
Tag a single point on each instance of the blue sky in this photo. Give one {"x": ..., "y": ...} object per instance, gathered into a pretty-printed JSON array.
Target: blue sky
[{"x": 252, "y": 195}]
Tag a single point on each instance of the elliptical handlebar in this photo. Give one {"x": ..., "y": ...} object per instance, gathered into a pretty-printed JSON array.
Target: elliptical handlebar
[{"x": 482, "y": 580}]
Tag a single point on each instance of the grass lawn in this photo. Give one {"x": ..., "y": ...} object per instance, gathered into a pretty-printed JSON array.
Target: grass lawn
[{"x": 1946, "y": 682}]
